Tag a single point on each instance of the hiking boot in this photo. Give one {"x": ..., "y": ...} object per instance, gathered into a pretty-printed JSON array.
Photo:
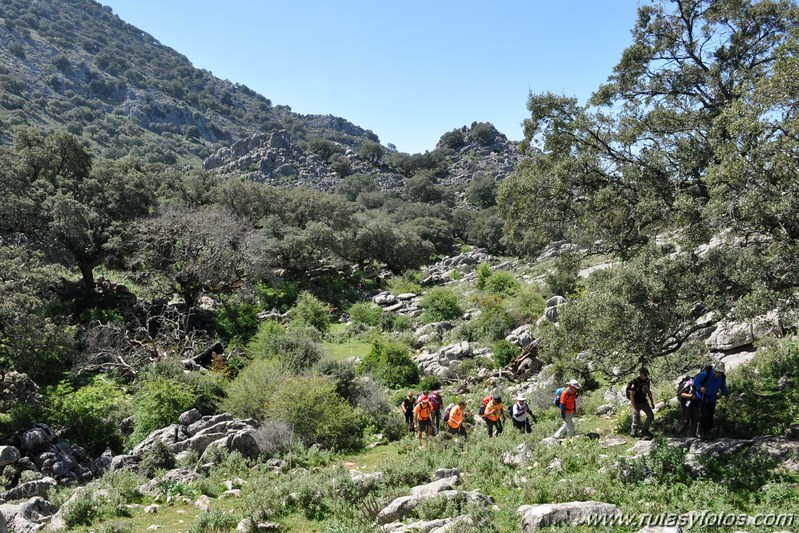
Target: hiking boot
[{"x": 647, "y": 435}]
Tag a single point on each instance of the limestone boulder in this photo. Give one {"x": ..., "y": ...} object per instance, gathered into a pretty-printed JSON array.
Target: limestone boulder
[{"x": 535, "y": 517}]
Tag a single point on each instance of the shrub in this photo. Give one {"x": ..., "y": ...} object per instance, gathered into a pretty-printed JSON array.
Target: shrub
[
  {"x": 562, "y": 281},
  {"x": 365, "y": 313},
  {"x": 259, "y": 345},
  {"x": 501, "y": 282},
  {"x": 295, "y": 351},
  {"x": 311, "y": 311},
  {"x": 89, "y": 416},
  {"x": 158, "y": 457},
  {"x": 440, "y": 304},
  {"x": 407, "y": 283},
  {"x": 272, "y": 439},
  {"x": 372, "y": 398},
  {"x": 504, "y": 352},
  {"x": 429, "y": 382},
  {"x": 157, "y": 403},
  {"x": 402, "y": 323},
  {"x": 390, "y": 362},
  {"x": 249, "y": 393},
  {"x": 452, "y": 140},
  {"x": 237, "y": 320},
  {"x": 214, "y": 521},
  {"x": 342, "y": 373},
  {"x": 280, "y": 298},
  {"x": 316, "y": 413},
  {"x": 483, "y": 273}
]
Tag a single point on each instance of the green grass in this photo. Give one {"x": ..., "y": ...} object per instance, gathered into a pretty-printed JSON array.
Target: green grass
[{"x": 342, "y": 351}]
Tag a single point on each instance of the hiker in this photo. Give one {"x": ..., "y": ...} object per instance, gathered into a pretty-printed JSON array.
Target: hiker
[
  {"x": 494, "y": 414},
  {"x": 424, "y": 417},
  {"x": 708, "y": 384},
  {"x": 689, "y": 406},
  {"x": 408, "y": 404},
  {"x": 520, "y": 415},
  {"x": 437, "y": 402},
  {"x": 640, "y": 394},
  {"x": 568, "y": 403},
  {"x": 455, "y": 420}
]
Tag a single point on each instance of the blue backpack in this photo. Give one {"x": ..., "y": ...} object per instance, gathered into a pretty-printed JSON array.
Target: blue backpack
[{"x": 557, "y": 396}]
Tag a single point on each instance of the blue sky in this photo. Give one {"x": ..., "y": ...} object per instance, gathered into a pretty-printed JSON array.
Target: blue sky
[{"x": 409, "y": 71}]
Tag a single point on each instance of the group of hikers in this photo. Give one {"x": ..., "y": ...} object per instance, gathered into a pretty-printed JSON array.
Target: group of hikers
[
  {"x": 697, "y": 395},
  {"x": 423, "y": 415}
]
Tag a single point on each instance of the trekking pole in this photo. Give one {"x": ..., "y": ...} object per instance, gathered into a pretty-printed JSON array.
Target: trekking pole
[{"x": 723, "y": 430}]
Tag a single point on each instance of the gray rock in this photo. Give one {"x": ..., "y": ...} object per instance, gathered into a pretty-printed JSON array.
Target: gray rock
[
  {"x": 180, "y": 476},
  {"x": 37, "y": 437},
  {"x": 659, "y": 529},
  {"x": 9, "y": 455},
  {"x": 442, "y": 473},
  {"x": 203, "y": 503},
  {"x": 611, "y": 442},
  {"x": 28, "y": 517},
  {"x": 3, "y": 526},
  {"x": 555, "y": 466},
  {"x": 535, "y": 517},
  {"x": 120, "y": 462},
  {"x": 607, "y": 409},
  {"x": 431, "y": 489},
  {"x": 102, "y": 463},
  {"x": 25, "y": 491},
  {"x": 189, "y": 417}
]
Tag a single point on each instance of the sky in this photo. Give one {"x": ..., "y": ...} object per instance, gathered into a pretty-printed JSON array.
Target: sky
[{"x": 409, "y": 71}]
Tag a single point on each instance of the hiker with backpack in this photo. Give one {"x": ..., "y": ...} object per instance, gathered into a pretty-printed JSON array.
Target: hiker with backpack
[
  {"x": 423, "y": 413},
  {"x": 494, "y": 415},
  {"x": 708, "y": 384},
  {"x": 639, "y": 393},
  {"x": 689, "y": 406},
  {"x": 454, "y": 416},
  {"x": 437, "y": 402},
  {"x": 520, "y": 415},
  {"x": 408, "y": 403},
  {"x": 566, "y": 400}
]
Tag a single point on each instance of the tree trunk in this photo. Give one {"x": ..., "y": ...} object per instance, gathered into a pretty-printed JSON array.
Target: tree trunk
[{"x": 87, "y": 271}]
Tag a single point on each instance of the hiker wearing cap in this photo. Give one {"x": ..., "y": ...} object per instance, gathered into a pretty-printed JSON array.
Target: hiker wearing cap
[
  {"x": 708, "y": 384},
  {"x": 520, "y": 415},
  {"x": 494, "y": 414},
  {"x": 455, "y": 421},
  {"x": 640, "y": 394},
  {"x": 408, "y": 404},
  {"x": 423, "y": 413},
  {"x": 568, "y": 405}
]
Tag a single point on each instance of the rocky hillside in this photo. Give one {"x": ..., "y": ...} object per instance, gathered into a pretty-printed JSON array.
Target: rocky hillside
[
  {"x": 77, "y": 66},
  {"x": 277, "y": 158}
]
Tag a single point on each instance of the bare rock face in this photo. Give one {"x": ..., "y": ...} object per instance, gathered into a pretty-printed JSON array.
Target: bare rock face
[
  {"x": 27, "y": 517},
  {"x": 18, "y": 389},
  {"x": 199, "y": 433}
]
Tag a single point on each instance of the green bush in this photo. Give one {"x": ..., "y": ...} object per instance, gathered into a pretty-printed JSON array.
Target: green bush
[
  {"x": 259, "y": 345},
  {"x": 391, "y": 363},
  {"x": 562, "y": 281},
  {"x": 501, "y": 282},
  {"x": 483, "y": 273},
  {"x": 311, "y": 311},
  {"x": 158, "y": 457},
  {"x": 429, "y": 382},
  {"x": 365, "y": 313},
  {"x": 249, "y": 393},
  {"x": 89, "y": 416},
  {"x": 504, "y": 352},
  {"x": 239, "y": 319},
  {"x": 294, "y": 350},
  {"x": 440, "y": 304},
  {"x": 157, "y": 403},
  {"x": 405, "y": 284},
  {"x": 493, "y": 324},
  {"x": 402, "y": 323},
  {"x": 214, "y": 521},
  {"x": 317, "y": 414},
  {"x": 280, "y": 298}
]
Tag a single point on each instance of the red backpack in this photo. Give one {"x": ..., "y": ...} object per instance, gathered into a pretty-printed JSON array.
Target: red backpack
[{"x": 484, "y": 402}]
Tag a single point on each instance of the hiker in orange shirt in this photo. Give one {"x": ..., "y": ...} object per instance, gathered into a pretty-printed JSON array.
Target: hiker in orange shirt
[
  {"x": 423, "y": 413},
  {"x": 455, "y": 420}
]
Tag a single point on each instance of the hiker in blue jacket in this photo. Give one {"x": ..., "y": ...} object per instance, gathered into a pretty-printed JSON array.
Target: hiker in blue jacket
[{"x": 708, "y": 384}]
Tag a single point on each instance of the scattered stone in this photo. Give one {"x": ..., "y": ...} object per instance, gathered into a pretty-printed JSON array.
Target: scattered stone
[
  {"x": 37, "y": 437},
  {"x": 442, "y": 473},
  {"x": 535, "y": 517},
  {"x": 190, "y": 417},
  {"x": 151, "y": 509},
  {"x": 555, "y": 466},
  {"x": 154, "y": 527},
  {"x": 232, "y": 493},
  {"x": 550, "y": 441},
  {"x": 203, "y": 503},
  {"x": 660, "y": 529},
  {"x": 28, "y": 517},
  {"x": 611, "y": 442},
  {"x": 431, "y": 489}
]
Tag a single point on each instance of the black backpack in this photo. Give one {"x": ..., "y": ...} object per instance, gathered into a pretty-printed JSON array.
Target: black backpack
[{"x": 629, "y": 389}]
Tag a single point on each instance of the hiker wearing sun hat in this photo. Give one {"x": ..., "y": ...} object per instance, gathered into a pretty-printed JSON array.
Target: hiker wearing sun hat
[
  {"x": 568, "y": 405},
  {"x": 708, "y": 384},
  {"x": 520, "y": 415}
]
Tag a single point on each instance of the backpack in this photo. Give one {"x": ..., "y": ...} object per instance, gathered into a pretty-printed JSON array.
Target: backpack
[
  {"x": 629, "y": 389},
  {"x": 683, "y": 384},
  {"x": 447, "y": 410},
  {"x": 484, "y": 402},
  {"x": 557, "y": 396},
  {"x": 427, "y": 410},
  {"x": 436, "y": 401}
]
